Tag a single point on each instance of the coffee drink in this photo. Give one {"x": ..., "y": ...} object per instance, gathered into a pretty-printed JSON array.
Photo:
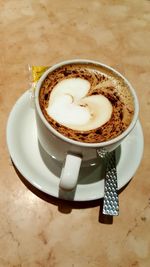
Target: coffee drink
[{"x": 86, "y": 102}]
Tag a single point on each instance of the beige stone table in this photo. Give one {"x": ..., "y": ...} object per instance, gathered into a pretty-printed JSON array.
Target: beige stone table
[{"x": 37, "y": 230}]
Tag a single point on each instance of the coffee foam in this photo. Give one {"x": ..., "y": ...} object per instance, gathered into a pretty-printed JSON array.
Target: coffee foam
[
  {"x": 76, "y": 87},
  {"x": 102, "y": 82},
  {"x": 70, "y": 106}
]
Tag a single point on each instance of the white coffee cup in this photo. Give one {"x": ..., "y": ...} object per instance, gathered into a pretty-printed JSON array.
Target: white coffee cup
[{"x": 69, "y": 151}]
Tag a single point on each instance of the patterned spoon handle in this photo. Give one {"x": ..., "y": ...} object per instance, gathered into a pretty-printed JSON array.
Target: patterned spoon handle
[{"x": 111, "y": 200}]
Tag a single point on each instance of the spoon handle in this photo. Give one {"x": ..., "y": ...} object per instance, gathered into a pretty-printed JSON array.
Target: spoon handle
[{"x": 111, "y": 200}]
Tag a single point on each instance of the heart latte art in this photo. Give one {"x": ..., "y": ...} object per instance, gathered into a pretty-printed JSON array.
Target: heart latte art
[
  {"x": 86, "y": 102},
  {"x": 70, "y": 106}
]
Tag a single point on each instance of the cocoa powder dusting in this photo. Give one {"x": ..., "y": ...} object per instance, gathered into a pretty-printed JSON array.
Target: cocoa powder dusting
[{"x": 121, "y": 110}]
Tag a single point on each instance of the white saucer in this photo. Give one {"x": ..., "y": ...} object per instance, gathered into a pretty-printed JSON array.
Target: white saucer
[{"x": 43, "y": 172}]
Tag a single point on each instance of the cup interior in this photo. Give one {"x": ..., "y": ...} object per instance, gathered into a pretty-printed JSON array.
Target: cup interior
[{"x": 83, "y": 144}]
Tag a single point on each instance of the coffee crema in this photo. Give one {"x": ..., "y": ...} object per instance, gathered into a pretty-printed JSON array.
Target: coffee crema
[{"x": 86, "y": 102}]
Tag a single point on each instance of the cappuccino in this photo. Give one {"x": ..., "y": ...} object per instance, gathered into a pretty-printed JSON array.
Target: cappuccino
[{"x": 86, "y": 102}]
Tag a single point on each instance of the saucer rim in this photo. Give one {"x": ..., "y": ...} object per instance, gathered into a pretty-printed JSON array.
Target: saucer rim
[{"x": 24, "y": 97}]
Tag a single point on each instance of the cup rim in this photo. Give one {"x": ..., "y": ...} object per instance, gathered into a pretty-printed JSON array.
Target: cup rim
[{"x": 78, "y": 143}]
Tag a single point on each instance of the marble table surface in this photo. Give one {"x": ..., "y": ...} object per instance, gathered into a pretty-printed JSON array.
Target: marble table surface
[{"x": 37, "y": 230}]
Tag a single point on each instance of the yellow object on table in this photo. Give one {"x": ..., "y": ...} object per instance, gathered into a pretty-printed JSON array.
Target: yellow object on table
[{"x": 37, "y": 72}]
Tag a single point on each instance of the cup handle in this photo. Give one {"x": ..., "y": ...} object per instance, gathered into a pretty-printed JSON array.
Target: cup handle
[{"x": 70, "y": 172}]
